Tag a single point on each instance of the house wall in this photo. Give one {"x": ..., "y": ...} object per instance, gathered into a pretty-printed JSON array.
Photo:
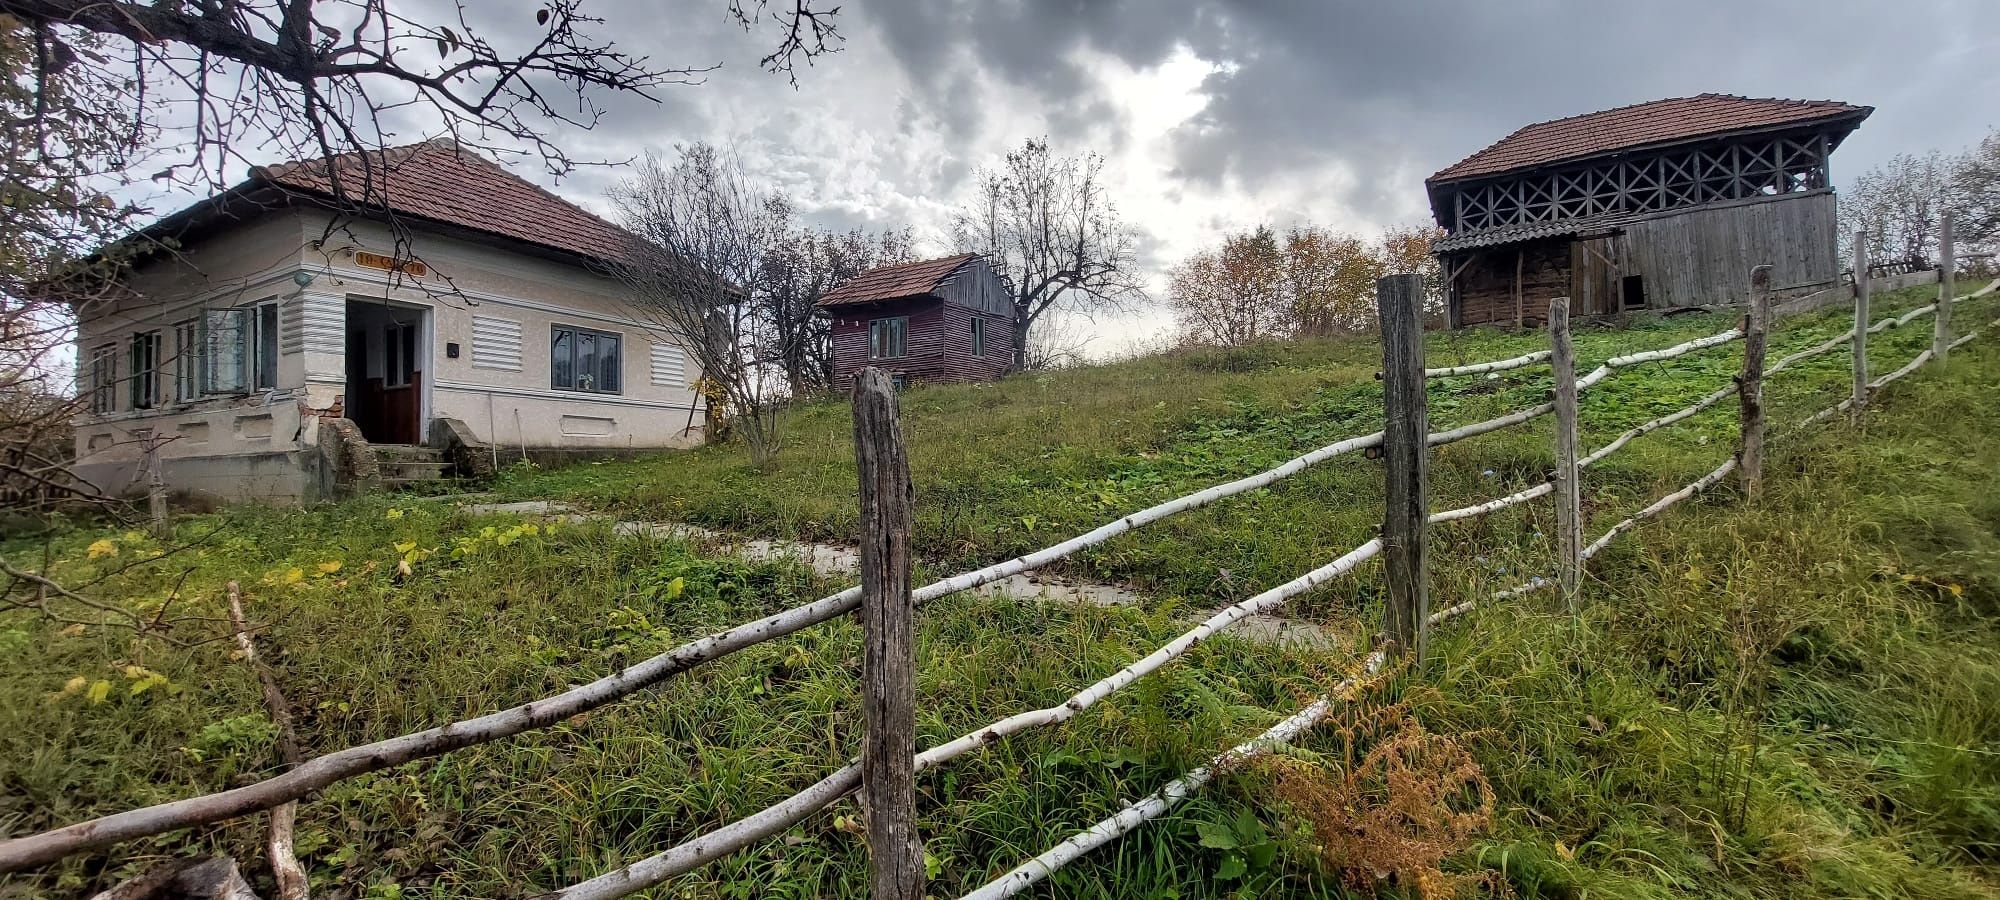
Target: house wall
[
  {"x": 498, "y": 304},
  {"x": 939, "y": 341}
]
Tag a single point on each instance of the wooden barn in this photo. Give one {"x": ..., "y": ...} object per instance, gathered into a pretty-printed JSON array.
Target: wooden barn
[
  {"x": 938, "y": 320},
  {"x": 1661, "y": 205}
]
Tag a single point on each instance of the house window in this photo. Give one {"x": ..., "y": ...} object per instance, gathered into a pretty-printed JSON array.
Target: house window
[
  {"x": 145, "y": 383},
  {"x": 887, "y": 338},
  {"x": 104, "y": 379},
  {"x": 187, "y": 360},
  {"x": 399, "y": 344},
  {"x": 584, "y": 360},
  {"x": 978, "y": 336},
  {"x": 224, "y": 360},
  {"x": 264, "y": 350}
]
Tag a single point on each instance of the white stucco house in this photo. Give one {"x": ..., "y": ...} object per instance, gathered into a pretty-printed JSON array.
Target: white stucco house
[{"x": 282, "y": 347}]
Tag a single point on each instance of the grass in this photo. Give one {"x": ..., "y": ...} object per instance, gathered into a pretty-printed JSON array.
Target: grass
[{"x": 1799, "y": 698}]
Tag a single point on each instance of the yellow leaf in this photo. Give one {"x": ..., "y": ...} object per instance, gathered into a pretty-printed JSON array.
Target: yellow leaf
[
  {"x": 1563, "y": 850},
  {"x": 75, "y": 684},
  {"x": 293, "y": 576},
  {"x": 103, "y": 547},
  {"x": 1956, "y": 590},
  {"x": 73, "y": 630},
  {"x": 329, "y": 567},
  {"x": 403, "y": 569},
  {"x": 394, "y": 513},
  {"x": 99, "y": 690},
  {"x": 405, "y": 546}
]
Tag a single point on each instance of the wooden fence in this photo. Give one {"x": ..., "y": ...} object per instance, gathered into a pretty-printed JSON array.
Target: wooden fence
[{"x": 890, "y": 762}]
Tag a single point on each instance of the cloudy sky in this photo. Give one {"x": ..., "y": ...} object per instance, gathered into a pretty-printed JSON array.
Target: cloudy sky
[{"x": 1223, "y": 115}]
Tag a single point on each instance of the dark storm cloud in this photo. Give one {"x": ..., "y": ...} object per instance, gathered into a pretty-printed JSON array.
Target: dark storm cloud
[{"x": 1389, "y": 92}]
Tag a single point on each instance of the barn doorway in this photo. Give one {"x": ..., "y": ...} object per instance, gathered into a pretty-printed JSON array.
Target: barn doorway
[
  {"x": 388, "y": 351},
  {"x": 1632, "y": 292}
]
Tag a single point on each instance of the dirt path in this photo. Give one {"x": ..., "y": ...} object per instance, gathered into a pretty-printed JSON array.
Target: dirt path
[{"x": 834, "y": 560}]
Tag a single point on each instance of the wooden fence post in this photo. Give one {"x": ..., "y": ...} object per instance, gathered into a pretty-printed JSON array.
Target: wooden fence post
[
  {"x": 1569, "y": 486},
  {"x": 1406, "y": 462},
  {"x": 1860, "y": 397},
  {"x": 889, "y": 659},
  {"x": 1750, "y": 385},
  {"x": 1947, "y": 274}
]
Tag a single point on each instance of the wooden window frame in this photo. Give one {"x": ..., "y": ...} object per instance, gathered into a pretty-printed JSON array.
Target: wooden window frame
[
  {"x": 144, "y": 353},
  {"x": 879, "y": 330}
]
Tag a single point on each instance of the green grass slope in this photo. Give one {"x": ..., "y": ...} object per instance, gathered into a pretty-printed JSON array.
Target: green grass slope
[{"x": 1795, "y": 699}]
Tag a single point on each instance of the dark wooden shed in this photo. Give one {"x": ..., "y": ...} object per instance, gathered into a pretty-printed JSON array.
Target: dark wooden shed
[
  {"x": 938, "y": 320},
  {"x": 1660, "y": 205}
]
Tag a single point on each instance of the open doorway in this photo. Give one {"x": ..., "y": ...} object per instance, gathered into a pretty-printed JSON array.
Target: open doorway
[
  {"x": 388, "y": 349},
  {"x": 1632, "y": 292}
]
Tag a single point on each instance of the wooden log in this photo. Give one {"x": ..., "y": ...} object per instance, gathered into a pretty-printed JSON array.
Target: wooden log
[
  {"x": 1750, "y": 385},
  {"x": 285, "y": 869},
  {"x": 889, "y": 652},
  {"x": 1569, "y": 500},
  {"x": 1406, "y": 460},
  {"x": 1520, "y": 304},
  {"x": 1947, "y": 266},
  {"x": 1859, "y": 396}
]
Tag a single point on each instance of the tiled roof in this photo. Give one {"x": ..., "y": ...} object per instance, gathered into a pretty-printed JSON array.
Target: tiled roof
[
  {"x": 1526, "y": 231},
  {"x": 890, "y": 282},
  {"x": 440, "y": 181},
  {"x": 1642, "y": 124}
]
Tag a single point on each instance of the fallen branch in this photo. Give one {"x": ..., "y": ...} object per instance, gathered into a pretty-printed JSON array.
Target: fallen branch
[
  {"x": 1500, "y": 365},
  {"x": 285, "y": 868}
]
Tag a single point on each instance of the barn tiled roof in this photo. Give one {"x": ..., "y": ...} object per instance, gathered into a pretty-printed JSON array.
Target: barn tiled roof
[
  {"x": 890, "y": 282},
  {"x": 1642, "y": 124},
  {"x": 1525, "y": 231},
  {"x": 443, "y": 182}
]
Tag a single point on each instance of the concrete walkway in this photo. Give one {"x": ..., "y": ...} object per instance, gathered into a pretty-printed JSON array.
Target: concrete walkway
[{"x": 837, "y": 561}]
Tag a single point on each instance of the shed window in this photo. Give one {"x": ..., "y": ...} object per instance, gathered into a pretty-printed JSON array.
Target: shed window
[
  {"x": 888, "y": 338},
  {"x": 584, "y": 360},
  {"x": 978, "y": 336},
  {"x": 145, "y": 383},
  {"x": 1632, "y": 291},
  {"x": 104, "y": 379}
]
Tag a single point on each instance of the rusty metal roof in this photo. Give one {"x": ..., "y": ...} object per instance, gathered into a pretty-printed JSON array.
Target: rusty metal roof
[
  {"x": 443, "y": 182},
  {"x": 913, "y": 279},
  {"x": 1642, "y": 124}
]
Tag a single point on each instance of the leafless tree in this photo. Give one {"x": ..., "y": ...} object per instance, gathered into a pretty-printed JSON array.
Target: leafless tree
[
  {"x": 703, "y": 232},
  {"x": 802, "y": 264},
  {"x": 1047, "y": 224},
  {"x": 1899, "y": 204},
  {"x": 1975, "y": 197}
]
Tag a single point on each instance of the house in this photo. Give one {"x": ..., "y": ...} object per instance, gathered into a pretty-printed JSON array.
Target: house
[
  {"x": 937, "y": 320},
  {"x": 1660, "y": 205},
  {"x": 283, "y": 349}
]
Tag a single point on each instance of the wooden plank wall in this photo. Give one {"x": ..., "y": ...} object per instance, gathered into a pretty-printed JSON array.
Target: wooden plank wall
[
  {"x": 1703, "y": 257},
  {"x": 938, "y": 342},
  {"x": 1486, "y": 286}
]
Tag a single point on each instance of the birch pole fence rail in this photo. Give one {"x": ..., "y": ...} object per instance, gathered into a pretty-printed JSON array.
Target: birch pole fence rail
[{"x": 1405, "y": 417}]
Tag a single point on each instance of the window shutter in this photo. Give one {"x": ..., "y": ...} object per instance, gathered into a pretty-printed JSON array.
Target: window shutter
[
  {"x": 669, "y": 365},
  {"x": 496, "y": 344}
]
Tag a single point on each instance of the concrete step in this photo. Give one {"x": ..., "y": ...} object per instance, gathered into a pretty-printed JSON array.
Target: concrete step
[{"x": 409, "y": 452}]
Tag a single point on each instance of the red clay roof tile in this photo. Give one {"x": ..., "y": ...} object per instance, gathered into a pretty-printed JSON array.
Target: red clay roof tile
[
  {"x": 1642, "y": 124},
  {"x": 440, "y": 181}
]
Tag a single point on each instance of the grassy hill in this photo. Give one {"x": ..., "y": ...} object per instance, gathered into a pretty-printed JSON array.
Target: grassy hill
[{"x": 1795, "y": 699}]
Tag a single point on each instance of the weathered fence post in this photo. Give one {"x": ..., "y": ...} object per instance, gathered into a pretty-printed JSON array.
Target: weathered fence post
[
  {"x": 889, "y": 659},
  {"x": 1860, "y": 397},
  {"x": 1750, "y": 385},
  {"x": 1569, "y": 486},
  {"x": 1406, "y": 462},
  {"x": 1947, "y": 272}
]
